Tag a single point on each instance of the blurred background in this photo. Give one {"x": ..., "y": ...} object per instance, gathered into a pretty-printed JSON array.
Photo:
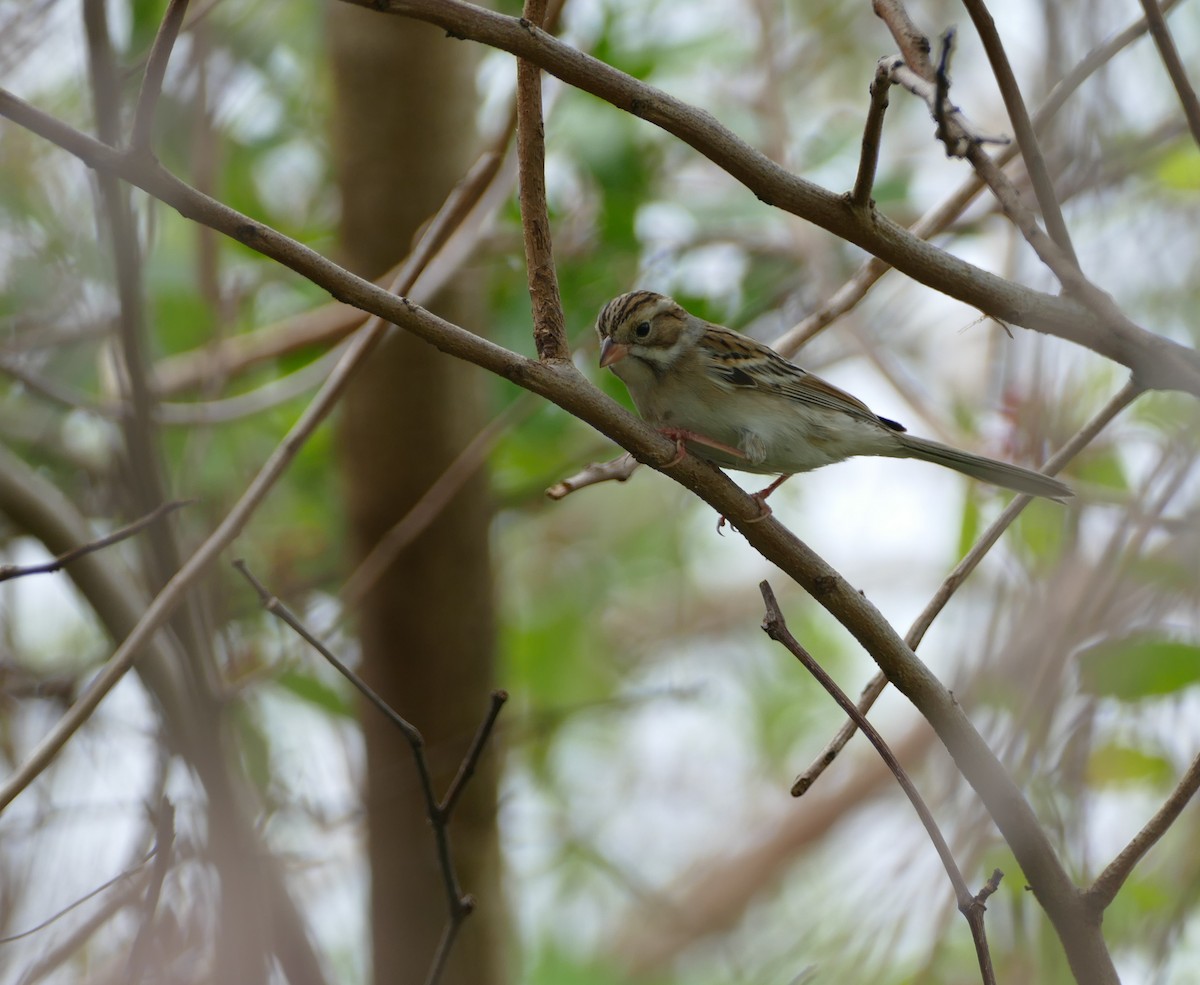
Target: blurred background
[{"x": 631, "y": 818}]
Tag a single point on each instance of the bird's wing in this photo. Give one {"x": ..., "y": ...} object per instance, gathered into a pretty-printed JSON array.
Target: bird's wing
[{"x": 739, "y": 361}]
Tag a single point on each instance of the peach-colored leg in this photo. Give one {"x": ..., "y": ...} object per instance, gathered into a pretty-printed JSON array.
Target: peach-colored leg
[
  {"x": 680, "y": 435},
  {"x": 761, "y": 497}
]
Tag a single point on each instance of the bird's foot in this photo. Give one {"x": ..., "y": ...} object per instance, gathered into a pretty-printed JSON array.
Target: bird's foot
[
  {"x": 759, "y": 497},
  {"x": 680, "y": 435}
]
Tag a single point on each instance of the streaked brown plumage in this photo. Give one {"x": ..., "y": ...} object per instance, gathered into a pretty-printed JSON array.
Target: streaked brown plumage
[{"x": 741, "y": 405}]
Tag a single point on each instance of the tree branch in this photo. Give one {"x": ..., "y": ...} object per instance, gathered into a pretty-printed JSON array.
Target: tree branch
[
  {"x": 953, "y": 581},
  {"x": 152, "y": 81},
  {"x": 560, "y": 382},
  {"x": 1174, "y": 65},
  {"x": 1031, "y": 150},
  {"x": 8, "y": 571},
  {"x": 1157, "y": 361},
  {"x": 460, "y": 904},
  {"x": 969, "y": 906},
  {"x": 549, "y": 332},
  {"x": 1104, "y": 890}
]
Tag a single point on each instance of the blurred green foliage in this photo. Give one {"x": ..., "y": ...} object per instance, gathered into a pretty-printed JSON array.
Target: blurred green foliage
[{"x": 653, "y": 730}]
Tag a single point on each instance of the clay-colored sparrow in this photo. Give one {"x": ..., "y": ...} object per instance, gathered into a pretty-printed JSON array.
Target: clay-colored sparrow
[{"x": 737, "y": 403}]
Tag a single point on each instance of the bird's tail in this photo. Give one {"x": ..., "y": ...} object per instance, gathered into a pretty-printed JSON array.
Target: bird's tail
[{"x": 987, "y": 469}]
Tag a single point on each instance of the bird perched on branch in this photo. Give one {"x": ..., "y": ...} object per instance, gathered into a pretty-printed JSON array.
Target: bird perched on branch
[{"x": 737, "y": 403}]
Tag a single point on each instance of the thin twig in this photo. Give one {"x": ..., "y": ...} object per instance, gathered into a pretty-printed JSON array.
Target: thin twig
[
  {"x": 1110, "y": 881},
  {"x": 120, "y": 877},
  {"x": 868, "y": 159},
  {"x": 939, "y": 218},
  {"x": 942, "y": 107},
  {"x": 152, "y": 81},
  {"x": 19, "y": 571},
  {"x": 914, "y": 45},
  {"x": 969, "y": 905},
  {"x": 1031, "y": 150},
  {"x": 1174, "y": 65},
  {"x": 460, "y": 904},
  {"x": 953, "y": 581},
  {"x": 615, "y": 470},
  {"x": 466, "y": 769},
  {"x": 549, "y": 331},
  {"x": 954, "y": 129}
]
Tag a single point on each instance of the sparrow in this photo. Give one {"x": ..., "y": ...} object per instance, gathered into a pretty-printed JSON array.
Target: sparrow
[{"x": 737, "y": 403}]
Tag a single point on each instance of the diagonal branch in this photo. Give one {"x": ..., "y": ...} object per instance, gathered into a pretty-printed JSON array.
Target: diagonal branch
[
  {"x": 1031, "y": 150},
  {"x": 1104, "y": 890},
  {"x": 970, "y": 906},
  {"x": 1157, "y": 362},
  {"x": 8, "y": 571},
  {"x": 152, "y": 81},
  {"x": 954, "y": 580},
  {"x": 1174, "y": 65}
]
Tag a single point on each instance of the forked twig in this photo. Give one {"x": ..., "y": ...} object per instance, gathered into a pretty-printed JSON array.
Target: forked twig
[
  {"x": 971, "y": 906},
  {"x": 438, "y": 811},
  {"x": 955, "y": 579}
]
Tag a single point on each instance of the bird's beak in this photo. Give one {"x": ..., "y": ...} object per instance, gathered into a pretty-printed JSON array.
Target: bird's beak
[{"x": 612, "y": 352}]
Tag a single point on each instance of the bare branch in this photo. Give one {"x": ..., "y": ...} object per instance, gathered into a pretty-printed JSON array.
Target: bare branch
[
  {"x": 1104, "y": 890},
  {"x": 953, "y": 581},
  {"x": 152, "y": 81},
  {"x": 1174, "y": 65},
  {"x": 460, "y": 905},
  {"x": 1157, "y": 361},
  {"x": 970, "y": 906},
  {"x": 616, "y": 470},
  {"x": 872, "y": 135},
  {"x": 164, "y": 845},
  {"x": 19, "y": 571},
  {"x": 913, "y": 44},
  {"x": 954, "y": 129},
  {"x": 1031, "y": 149},
  {"x": 549, "y": 332}
]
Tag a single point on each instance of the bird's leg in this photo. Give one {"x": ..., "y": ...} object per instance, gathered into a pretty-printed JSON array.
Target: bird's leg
[
  {"x": 680, "y": 435},
  {"x": 759, "y": 497}
]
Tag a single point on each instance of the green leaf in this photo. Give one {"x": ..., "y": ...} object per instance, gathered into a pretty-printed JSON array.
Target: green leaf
[
  {"x": 1115, "y": 764},
  {"x": 1180, "y": 169},
  {"x": 1140, "y": 666},
  {"x": 968, "y": 528},
  {"x": 1102, "y": 469},
  {"x": 314, "y": 691}
]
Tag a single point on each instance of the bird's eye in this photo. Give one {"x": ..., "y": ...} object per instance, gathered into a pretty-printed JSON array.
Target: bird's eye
[{"x": 642, "y": 330}]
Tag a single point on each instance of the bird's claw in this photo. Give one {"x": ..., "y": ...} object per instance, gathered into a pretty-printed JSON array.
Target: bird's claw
[{"x": 764, "y": 512}]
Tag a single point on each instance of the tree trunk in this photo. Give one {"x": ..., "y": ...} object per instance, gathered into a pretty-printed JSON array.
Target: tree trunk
[{"x": 403, "y": 134}]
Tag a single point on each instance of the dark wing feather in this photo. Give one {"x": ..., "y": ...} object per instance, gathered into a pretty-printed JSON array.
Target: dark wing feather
[{"x": 735, "y": 355}]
